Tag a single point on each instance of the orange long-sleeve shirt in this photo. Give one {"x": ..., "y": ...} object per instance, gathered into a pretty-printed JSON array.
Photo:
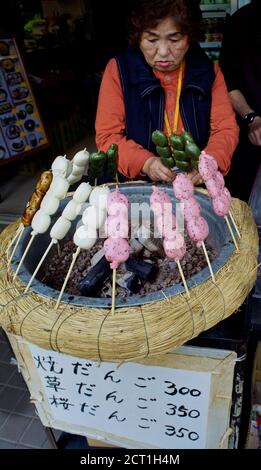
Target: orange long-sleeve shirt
[{"x": 110, "y": 121}]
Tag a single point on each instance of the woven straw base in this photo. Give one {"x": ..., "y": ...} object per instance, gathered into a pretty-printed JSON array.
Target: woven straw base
[{"x": 133, "y": 332}]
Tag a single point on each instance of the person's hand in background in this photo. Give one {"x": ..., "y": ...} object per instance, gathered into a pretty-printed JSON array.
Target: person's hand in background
[
  {"x": 254, "y": 133},
  {"x": 156, "y": 171},
  {"x": 195, "y": 177}
]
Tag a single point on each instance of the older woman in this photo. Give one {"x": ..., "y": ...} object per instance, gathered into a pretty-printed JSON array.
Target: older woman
[{"x": 164, "y": 81}]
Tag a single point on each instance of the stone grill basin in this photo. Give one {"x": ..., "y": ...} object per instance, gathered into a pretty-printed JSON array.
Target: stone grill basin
[{"x": 219, "y": 238}]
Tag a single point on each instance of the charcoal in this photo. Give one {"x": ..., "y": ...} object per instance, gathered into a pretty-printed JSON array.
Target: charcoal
[
  {"x": 130, "y": 281},
  {"x": 134, "y": 284},
  {"x": 91, "y": 284},
  {"x": 144, "y": 270},
  {"x": 98, "y": 255},
  {"x": 136, "y": 246},
  {"x": 56, "y": 267},
  {"x": 146, "y": 237}
]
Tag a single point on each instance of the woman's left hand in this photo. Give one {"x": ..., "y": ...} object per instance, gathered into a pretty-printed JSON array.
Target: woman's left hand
[
  {"x": 195, "y": 177},
  {"x": 255, "y": 131}
]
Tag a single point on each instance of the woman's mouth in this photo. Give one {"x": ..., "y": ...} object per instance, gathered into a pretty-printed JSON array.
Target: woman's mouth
[{"x": 163, "y": 64}]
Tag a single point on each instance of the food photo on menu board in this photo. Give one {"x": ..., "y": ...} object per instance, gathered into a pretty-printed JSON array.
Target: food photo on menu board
[{"x": 21, "y": 128}]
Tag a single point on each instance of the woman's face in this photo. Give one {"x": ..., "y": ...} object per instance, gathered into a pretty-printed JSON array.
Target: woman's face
[{"x": 164, "y": 46}]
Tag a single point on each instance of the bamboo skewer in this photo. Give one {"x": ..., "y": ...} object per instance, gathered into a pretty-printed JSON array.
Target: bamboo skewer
[
  {"x": 113, "y": 294},
  {"x": 74, "y": 258},
  {"x": 16, "y": 245},
  {"x": 21, "y": 227},
  {"x": 24, "y": 255},
  {"x": 208, "y": 261},
  {"x": 59, "y": 249},
  {"x": 183, "y": 278},
  {"x": 234, "y": 223},
  {"x": 231, "y": 232},
  {"x": 39, "y": 265}
]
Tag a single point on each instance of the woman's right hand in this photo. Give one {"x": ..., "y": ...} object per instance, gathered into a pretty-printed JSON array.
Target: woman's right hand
[{"x": 156, "y": 171}]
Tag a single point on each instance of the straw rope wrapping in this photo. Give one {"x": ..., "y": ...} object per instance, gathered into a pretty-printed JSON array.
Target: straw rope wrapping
[{"x": 95, "y": 334}]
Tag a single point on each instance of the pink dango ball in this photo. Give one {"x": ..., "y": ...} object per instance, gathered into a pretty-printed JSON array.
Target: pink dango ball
[
  {"x": 191, "y": 208},
  {"x": 117, "y": 196},
  {"x": 215, "y": 185},
  {"x": 116, "y": 227},
  {"x": 207, "y": 166},
  {"x": 183, "y": 187},
  {"x": 117, "y": 202},
  {"x": 159, "y": 201},
  {"x": 175, "y": 247},
  {"x": 228, "y": 195},
  {"x": 165, "y": 224},
  {"x": 222, "y": 203},
  {"x": 198, "y": 230},
  {"x": 159, "y": 196},
  {"x": 116, "y": 251}
]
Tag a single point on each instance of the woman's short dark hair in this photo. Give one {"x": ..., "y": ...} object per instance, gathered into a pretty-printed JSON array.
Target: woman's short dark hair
[{"x": 147, "y": 14}]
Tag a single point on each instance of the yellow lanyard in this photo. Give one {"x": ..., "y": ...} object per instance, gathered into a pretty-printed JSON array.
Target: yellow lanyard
[{"x": 176, "y": 114}]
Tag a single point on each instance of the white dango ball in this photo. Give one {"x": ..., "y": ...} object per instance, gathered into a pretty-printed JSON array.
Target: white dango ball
[
  {"x": 69, "y": 168},
  {"x": 82, "y": 192},
  {"x": 94, "y": 217},
  {"x": 99, "y": 197},
  {"x": 61, "y": 165},
  {"x": 60, "y": 228},
  {"x": 59, "y": 186},
  {"x": 85, "y": 237},
  {"x": 81, "y": 158},
  {"x": 77, "y": 170},
  {"x": 49, "y": 204},
  {"x": 72, "y": 209},
  {"x": 72, "y": 179},
  {"x": 41, "y": 222}
]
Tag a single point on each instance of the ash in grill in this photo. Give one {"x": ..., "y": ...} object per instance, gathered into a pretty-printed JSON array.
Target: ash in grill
[{"x": 147, "y": 270}]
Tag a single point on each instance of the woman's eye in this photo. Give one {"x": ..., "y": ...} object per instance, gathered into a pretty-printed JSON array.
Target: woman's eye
[
  {"x": 177, "y": 38},
  {"x": 152, "y": 41}
]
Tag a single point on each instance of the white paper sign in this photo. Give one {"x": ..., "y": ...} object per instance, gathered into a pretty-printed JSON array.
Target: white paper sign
[{"x": 160, "y": 406}]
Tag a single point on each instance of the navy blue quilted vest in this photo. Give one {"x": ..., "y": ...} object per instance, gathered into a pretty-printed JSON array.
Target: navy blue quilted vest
[{"x": 145, "y": 102}]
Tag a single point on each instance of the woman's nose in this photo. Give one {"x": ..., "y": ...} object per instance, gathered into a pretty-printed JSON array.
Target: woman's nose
[{"x": 163, "y": 49}]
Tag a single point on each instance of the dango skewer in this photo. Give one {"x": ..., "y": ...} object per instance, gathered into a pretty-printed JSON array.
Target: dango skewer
[
  {"x": 42, "y": 220},
  {"x": 24, "y": 255},
  {"x": 63, "y": 224},
  {"x": 234, "y": 223},
  {"x": 208, "y": 261},
  {"x": 33, "y": 205},
  {"x": 84, "y": 238},
  {"x": 221, "y": 206},
  {"x": 175, "y": 248},
  {"x": 74, "y": 258},
  {"x": 39, "y": 265},
  {"x": 86, "y": 235},
  {"x": 17, "y": 238},
  {"x": 231, "y": 232},
  {"x": 173, "y": 242},
  {"x": 80, "y": 163},
  {"x": 215, "y": 185},
  {"x": 116, "y": 248},
  {"x": 197, "y": 226},
  {"x": 17, "y": 233}
]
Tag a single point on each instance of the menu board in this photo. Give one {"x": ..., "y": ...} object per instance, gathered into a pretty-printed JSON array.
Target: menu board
[{"x": 21, "y": 128}]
